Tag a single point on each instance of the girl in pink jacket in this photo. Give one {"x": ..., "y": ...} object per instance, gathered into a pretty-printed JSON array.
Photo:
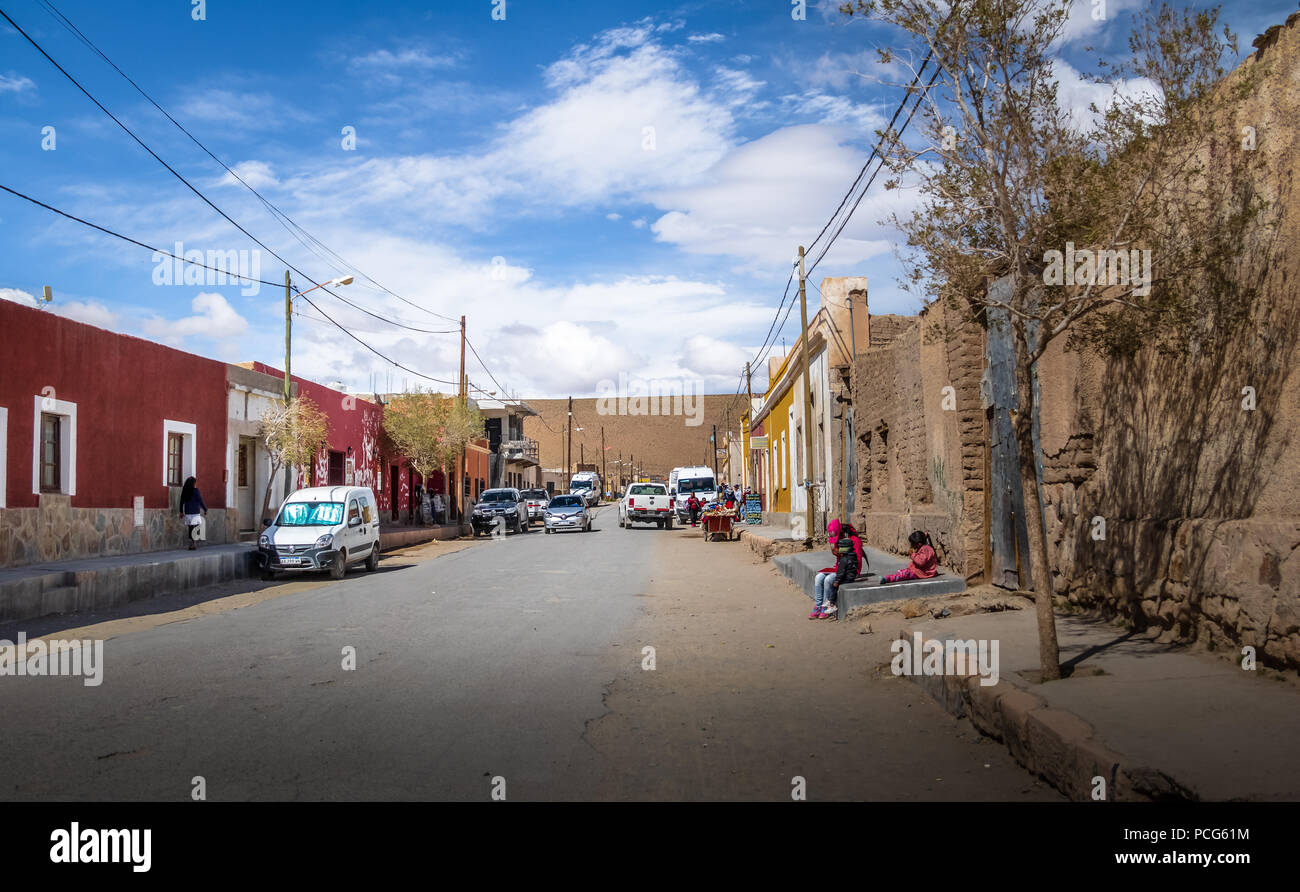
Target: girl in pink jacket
[{"x": 925, "y": 563}]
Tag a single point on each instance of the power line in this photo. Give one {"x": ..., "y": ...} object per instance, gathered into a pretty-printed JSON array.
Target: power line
[{"x": 276, "y": 212}]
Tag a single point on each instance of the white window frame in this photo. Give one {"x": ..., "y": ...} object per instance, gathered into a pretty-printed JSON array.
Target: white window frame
[
  {"x": 4, "y": 455},
  {"x": 67, "y": 439},
  {"x": 189, "y": 447}
]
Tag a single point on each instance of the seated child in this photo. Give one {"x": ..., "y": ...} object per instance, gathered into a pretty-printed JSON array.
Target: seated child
[
  {"x": 925, "y": 563},
  {"x": 846, "y": 570}
]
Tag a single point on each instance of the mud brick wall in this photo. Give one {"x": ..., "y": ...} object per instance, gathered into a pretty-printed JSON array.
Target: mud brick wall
[
  {"x": 1199, "y": 494},
  {"x": 920, "y": 447}
]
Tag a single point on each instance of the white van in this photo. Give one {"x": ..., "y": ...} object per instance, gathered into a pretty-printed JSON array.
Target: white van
[
  {"x": 698, "y": 479},
  {"x": 322, "y": 528}
]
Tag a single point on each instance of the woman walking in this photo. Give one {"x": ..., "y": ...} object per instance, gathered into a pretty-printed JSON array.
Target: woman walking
[{"x": 193, "y": 510}]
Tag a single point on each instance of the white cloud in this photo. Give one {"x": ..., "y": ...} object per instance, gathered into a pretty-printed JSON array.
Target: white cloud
[
  {"x": 843, "y": 70},
  {"x": 213, "y": 318},
  {"x": 239, "y": 110},
  {"x": 715, "y": 37},
  {"x": 15, "y": 83},
  {"x": 1075, "y": 94},
  {"x": 773, "y": 193},
  {"x": 19, "y": 297},
  {"x": 613, "y": 216},
  {"x": 257, "y": 174},
  {"x": 90, "y": 312},
  {"x": 408, "y": 58}
]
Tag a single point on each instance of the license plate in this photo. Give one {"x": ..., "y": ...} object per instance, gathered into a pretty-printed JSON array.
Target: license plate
[{"x": 290, "y": 561}]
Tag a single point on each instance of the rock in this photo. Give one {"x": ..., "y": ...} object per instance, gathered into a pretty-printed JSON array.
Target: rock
[{"x": 913, "y": 609}]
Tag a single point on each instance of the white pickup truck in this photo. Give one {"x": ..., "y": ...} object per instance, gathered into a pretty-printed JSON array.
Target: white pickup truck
[{"x": 646, "y": 503}]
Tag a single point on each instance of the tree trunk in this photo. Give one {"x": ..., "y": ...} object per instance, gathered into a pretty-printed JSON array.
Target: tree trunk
[
  {"x": 270, "y": 483},
  {"x": 1039, "y": 566}
]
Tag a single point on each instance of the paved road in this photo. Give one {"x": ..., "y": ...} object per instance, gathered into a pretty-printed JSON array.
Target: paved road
[{"x": 491, "y": 661}]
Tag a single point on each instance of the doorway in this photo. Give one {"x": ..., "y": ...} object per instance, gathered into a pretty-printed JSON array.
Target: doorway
[{"x": 246, "y": 483}]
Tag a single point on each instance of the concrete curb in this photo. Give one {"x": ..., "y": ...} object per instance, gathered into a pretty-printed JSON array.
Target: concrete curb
[
  {"x": 103, "y": 588},
  {"x": 1054, "y": 744}
]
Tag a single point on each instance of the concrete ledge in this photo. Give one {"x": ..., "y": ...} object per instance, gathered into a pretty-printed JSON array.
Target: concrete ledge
[
  {"x": 104, "y": 583},
  {"x": 802, "y": 569},
  {"x": 1055, "y": 744}
]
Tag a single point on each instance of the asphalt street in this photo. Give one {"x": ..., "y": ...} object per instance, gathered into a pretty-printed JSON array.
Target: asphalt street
[{"x": 492, "y": 662}]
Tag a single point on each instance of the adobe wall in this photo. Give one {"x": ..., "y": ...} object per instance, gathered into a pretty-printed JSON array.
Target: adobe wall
[
  {"x": 921, "y": 446},
  {"x": 1199, "y": 495}
]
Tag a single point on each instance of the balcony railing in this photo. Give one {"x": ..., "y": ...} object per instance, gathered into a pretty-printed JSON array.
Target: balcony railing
[{"x": 520, "y": 450}]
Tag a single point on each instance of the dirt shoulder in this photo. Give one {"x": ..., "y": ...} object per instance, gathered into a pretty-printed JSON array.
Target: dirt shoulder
[{"x": 748, "y": 694}]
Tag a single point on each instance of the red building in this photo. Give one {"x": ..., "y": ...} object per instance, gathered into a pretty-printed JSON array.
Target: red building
[{"x": 98, "y": 431}]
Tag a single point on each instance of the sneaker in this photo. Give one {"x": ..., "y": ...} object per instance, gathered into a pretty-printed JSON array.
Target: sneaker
[
  {"x": 829, "y": 612},
  {"x": 816, "y": 614}
]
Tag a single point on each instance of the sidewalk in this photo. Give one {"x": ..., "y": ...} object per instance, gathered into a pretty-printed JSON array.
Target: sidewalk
[
  {"x": 103, "y": 583},
  {"x": 1158, "y": 722}
]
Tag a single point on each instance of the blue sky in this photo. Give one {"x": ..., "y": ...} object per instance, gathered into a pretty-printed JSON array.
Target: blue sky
[{"x": 502, "y": 169}]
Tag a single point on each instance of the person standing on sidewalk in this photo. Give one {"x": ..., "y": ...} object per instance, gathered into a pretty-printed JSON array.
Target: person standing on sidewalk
[{"x": 193, "y": 510}]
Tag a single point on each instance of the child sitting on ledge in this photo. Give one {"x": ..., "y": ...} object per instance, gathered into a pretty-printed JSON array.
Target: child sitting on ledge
[{"x": 925, "y": 563}]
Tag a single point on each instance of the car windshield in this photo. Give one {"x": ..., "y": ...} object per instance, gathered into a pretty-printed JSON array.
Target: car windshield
[
  {"x": 580, "y": 484},
  {"x": 310, "y": 514},
  {"x": 497, "y": 495},
  {"x": 566, "y": 502},
  {"x": 647, "y": 489},
  {"x": 699, "y": 484},
  {"x": 535, "y": 494}
]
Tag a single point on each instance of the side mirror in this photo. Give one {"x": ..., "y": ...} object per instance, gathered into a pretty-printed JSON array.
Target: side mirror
[
  {"x": 266, "y": 522},
  {"x": 354, "y": 522}
]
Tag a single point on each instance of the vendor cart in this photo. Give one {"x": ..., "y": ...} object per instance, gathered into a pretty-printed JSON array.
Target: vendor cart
[{"x": 720, "y": 523}]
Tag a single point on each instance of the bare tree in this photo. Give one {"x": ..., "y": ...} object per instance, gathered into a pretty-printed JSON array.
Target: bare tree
[
  {"x": 1011, "y": 181},
  {"x": 294, "y": 434}
]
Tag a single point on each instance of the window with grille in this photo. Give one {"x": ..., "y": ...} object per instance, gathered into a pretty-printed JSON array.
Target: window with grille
[
  {"x": 51, "y": 452},
  {"x": 175, "y": 459}
]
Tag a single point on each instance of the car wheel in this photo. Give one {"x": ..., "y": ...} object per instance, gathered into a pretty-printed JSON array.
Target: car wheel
[
  {"x": 668, "y": 524},
  {"x": 339, "y": 566},
  {"x": 526, "y": 526},
  {"x": 372, "y": 561},
  {"x": 268, "y": 574}
]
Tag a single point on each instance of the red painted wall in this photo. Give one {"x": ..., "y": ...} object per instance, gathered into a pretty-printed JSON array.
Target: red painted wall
[{"x": 124, "y": 388}]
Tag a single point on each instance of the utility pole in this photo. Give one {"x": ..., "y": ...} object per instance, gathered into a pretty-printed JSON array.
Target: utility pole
[
  {"x": 807, "y": 402},
  {"x": 714, "y": 441},
  {"x": 568, "y": 452},
  {"x": 582, "y": 459},
  {"x": 748, "y": 459},
  {"x": 463, "y": 460},
  {"x": 288, "y": 339},
  {"x": 602, "y": 455}
]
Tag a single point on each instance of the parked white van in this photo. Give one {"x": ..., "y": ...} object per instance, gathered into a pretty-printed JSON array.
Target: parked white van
[
  {"x": 322, "y": 528},
  {"x": 697, "y": 480}
]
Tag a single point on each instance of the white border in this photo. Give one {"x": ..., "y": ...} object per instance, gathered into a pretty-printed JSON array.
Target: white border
[
  {"x": 189, "y": 448},
  {"x": 68, "y": 458}
]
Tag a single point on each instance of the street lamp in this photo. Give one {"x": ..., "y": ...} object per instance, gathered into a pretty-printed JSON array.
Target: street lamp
[{"x": 288, "y": 318}]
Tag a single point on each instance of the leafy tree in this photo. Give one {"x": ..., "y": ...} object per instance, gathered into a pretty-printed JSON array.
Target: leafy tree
[
  {"x": 1010, "y": 177},
  {"x": 294, "y": 434},
  {"x": 430, "y": 429}
]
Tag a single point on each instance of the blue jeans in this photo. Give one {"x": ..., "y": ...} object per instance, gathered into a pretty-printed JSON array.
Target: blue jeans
[{"x": 822, "y": 591}]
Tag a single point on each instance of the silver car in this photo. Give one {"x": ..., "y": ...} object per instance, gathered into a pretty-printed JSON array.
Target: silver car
[{"x": 568, "y": 512}]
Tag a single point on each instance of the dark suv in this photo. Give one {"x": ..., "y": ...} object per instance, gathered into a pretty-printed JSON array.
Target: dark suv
[{"x": 500, "y": 504}]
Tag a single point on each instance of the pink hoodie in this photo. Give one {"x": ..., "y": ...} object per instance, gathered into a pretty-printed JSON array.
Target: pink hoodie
[{"x": 833, "y": 534}]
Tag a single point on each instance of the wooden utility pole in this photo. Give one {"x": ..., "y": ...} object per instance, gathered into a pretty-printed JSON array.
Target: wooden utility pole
[
  {"x": 463, "y": 461},
  {"x": 714, "y": 441},
  {"x": 568, "y": 452},
  {"x": 602, "y": 455},
  {"x": 807, "y": 403},
  {"x": 289, "y": 328}
]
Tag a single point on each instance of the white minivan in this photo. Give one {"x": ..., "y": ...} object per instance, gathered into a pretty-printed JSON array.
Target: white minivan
[{"x": 322, "y": 528}]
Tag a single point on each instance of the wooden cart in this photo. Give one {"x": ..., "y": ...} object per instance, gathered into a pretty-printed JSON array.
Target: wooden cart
[{"x": 718, "y": 524}]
